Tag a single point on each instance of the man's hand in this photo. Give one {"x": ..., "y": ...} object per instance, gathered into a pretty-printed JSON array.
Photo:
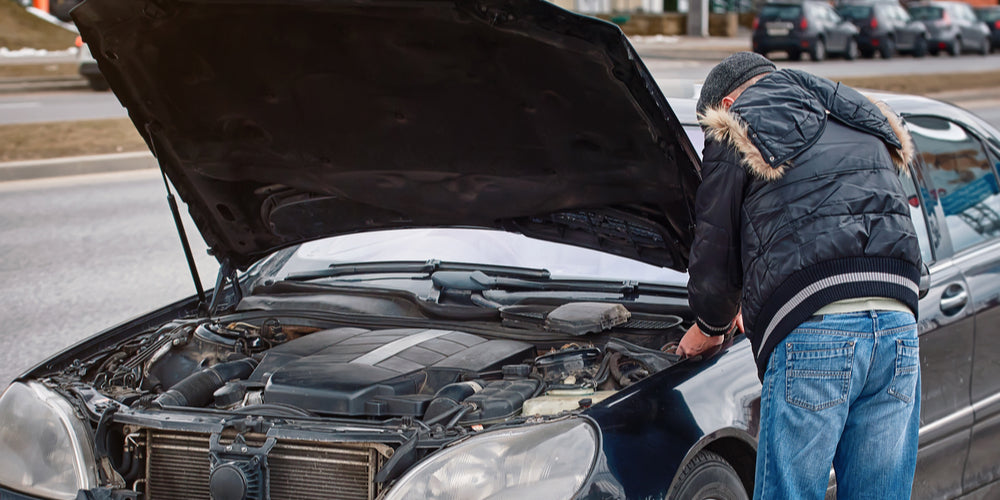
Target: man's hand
[{"x": 695, "y": 342}]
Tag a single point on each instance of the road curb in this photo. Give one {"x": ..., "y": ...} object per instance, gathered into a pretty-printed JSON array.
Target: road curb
[
  {"x": 37, "y": 84},
  {"x": 76, "y": 165}
]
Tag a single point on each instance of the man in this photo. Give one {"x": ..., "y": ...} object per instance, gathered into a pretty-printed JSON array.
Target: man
[{"x": 803, "y": 235}]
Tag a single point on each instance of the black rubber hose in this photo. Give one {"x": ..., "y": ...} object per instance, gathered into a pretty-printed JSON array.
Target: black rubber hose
[
  {"x": 443, "y": 415},
  {"x": 130, "y": 467},
  {"x": 458, "y": 416},
  {"x": 196, "y": 389}
]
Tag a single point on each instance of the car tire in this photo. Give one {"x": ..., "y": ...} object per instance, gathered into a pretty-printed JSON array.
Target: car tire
[
  {"x": 888, "y": 49},
  {"x": 708, "y": 476},
  {"x": 818, "y": 52},
  {"x": 955, "y": 49},
  {"x": 984, "y": 48},
  {"x": 920, "y": 47},
  {"x": 851, "y": 53}
]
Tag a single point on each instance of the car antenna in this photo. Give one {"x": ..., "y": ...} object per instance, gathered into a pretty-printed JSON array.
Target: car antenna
[{"x": 177, "y": 222}]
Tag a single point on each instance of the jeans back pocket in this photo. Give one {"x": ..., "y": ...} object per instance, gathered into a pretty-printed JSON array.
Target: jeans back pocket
[
  {"x": 904, "y": 381},
  {"x": 818, "y": 374}
]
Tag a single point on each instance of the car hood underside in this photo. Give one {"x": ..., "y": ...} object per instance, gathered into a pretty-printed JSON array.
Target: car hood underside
[{"x": 282, "y": 122}]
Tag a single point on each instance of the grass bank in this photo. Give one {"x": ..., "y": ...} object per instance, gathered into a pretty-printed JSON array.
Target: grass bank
[
  {"x": 20, "y": 29},
  {"x": 927, "y": 84},
  {"x": 34, "y": 141}
]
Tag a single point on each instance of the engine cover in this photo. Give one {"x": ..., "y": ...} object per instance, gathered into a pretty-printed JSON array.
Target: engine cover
[{"x": 395, "y": 372}]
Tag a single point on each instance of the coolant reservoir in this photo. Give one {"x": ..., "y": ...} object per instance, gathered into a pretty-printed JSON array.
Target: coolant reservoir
[{"x": 560, "y": 400}]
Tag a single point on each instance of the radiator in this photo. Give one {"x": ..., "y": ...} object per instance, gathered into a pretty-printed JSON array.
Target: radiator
[{"x": 177, "y": 467}]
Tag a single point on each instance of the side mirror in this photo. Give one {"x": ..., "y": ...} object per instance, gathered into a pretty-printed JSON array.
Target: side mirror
[{"x": 925, "y": 281}]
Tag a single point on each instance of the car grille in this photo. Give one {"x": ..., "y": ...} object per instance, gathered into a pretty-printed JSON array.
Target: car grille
[{"x": 178, "y": 467}]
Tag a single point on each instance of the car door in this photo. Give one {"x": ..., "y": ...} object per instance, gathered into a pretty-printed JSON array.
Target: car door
[
  {"x": 972, "y": 208},
  {"x": 946, "y": 324},
  {"x": 837, "y": 32},
  {"x": 888, "y": 22},
  {"x": 905, "y": 35},
  {"x": 912, "y": 29},
  {"x": 972, "y": 34}
]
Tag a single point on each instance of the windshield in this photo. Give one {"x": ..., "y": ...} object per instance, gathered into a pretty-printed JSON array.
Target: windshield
[
  {"x": 926, "y": 13},
  {"x": 855, "y": 12},
  {"x": 478, "y": 246}
]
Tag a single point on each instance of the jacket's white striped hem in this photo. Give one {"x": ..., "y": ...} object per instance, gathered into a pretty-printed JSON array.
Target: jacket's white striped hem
[{"x": 840, "y": 279}]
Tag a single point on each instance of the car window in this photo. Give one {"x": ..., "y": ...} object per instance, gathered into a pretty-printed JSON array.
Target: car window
[
  {"x": 832, "y": 15},
  {"x": 781, "y": 12},
  {"x": 926, "y": 13},
  {"x": 962, "y": 11},
  {"x": 474, "y": 246},
  {"x": 988, "y": 15},
  {"x": 856, "y": 12},
  {"x": 962, "y": 179}
]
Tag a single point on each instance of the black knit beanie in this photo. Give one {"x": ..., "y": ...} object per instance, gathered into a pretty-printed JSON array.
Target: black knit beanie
[{"x": 729, "y": 74}]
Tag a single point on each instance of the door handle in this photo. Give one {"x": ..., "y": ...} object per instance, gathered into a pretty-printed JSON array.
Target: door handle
[{"x": 954, "y": 299}]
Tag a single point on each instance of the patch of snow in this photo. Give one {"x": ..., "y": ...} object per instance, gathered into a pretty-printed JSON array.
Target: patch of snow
[
  {"x": 5, "y": 52},
  {"x": 52, "y": 19},
  {"x": 655, "y": 38}
]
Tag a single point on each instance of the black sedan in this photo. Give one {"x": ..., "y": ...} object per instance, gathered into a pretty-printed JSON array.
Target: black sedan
[
  {"x": 455, "y": 273},
  {"x": 885, "y": 28}
]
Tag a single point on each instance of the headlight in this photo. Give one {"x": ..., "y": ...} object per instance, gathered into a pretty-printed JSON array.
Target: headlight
[
  {"x": 539, "y": 461},
  {"x": 45, "y": 450}
]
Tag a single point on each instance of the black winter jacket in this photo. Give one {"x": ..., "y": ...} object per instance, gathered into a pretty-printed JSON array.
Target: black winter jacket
[{"x": 800, "y": 205}]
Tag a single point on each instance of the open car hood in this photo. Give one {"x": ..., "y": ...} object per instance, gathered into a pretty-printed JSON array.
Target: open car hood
[{"x": 284, "y": 121}]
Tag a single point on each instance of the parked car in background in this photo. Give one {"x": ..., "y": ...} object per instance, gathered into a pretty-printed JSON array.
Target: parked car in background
[
  {"x": 991, "y": 16},
  {"x": 952, "y": 27},
  {"x": 810, "y": 27},
  {"x": 886, "y": 28},
  {"x": 87, "y": 67}
]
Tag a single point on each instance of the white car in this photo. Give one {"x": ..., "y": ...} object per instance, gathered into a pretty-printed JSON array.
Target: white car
[{"x": 88, "y": 67}]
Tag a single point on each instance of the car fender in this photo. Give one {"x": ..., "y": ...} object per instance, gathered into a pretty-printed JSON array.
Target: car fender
[{"x": 652, "y": 428}]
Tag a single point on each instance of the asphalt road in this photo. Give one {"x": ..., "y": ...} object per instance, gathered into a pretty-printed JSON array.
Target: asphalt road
[
  {"x": 36, "y": 107},
  {"x": 84, "y": 253}
]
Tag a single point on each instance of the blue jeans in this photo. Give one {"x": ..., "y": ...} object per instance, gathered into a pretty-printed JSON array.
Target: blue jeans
[{"x": 841, "y": 389}]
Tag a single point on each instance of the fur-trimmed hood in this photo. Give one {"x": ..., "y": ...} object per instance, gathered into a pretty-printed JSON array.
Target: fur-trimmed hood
[{"x": 785, "y": 112}]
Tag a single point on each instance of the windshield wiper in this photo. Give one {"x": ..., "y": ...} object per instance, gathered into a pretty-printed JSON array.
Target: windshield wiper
[{"x": 416, "y": 267}]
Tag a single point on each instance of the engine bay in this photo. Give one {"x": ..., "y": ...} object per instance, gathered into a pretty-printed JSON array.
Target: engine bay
[
  {"x": 258, "y": 387},
  {"x": 300, "y": 366}
]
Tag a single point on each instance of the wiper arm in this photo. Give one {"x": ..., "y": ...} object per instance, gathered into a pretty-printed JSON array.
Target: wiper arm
[
  {"x": 480, "y": 280},
  {"x": 416, "y": 267}
]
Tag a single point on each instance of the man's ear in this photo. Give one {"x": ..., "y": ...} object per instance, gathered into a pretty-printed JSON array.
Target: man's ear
[{"x": 727, "y": 102}]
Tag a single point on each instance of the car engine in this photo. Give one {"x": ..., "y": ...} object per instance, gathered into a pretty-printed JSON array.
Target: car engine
[{"x": 540, "y": 362}]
